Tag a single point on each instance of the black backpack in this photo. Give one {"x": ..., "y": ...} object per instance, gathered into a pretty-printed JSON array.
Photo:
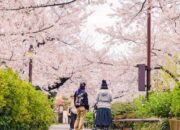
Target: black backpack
[{"x": 79, "y": 99}]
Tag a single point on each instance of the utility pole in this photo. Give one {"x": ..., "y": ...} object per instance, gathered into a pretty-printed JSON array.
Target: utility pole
[
  {"x": 148, "y": 48},
  {"x": 30, "y": 63}
]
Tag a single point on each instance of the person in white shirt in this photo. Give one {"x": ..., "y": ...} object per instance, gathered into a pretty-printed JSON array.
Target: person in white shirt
[{"x": 103, "y": 101}]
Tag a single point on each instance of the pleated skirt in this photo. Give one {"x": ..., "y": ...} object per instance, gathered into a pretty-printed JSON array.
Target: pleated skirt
[{"x": 103, "y": 117}]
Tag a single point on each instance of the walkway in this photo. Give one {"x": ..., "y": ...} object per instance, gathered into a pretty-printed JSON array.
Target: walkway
[{"x": 61, "y": 127}]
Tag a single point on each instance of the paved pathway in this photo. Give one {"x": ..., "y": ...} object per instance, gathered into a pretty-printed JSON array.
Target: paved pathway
[{"x": 61, "y": 127}]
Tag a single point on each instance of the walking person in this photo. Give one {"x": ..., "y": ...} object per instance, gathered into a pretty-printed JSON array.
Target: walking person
[
  {"x": 72, "y": 113},
  {"x": 81, "y": 104},
  {"x": 103, "y": 114}
]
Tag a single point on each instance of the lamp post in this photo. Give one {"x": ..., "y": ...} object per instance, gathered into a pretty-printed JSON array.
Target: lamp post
[
  {"x": 3, "y": 65},
  {"x": 144, "y": 71},
  {"x": 148, "y": 48},
  {"x": 30, "y": 53}
]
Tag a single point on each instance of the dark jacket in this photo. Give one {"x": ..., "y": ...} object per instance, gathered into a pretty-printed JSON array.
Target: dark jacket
[{"x": 81, "y": 99}]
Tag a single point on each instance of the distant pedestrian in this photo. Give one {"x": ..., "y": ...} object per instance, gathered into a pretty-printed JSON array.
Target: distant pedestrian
[
  {"x": 103, "y": 117},
  {"x": 81, "y": 103},
  {"x": 72, "y": 112}
]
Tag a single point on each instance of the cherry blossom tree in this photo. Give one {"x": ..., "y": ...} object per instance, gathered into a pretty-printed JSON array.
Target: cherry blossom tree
[{"x": 62, "y": 58}]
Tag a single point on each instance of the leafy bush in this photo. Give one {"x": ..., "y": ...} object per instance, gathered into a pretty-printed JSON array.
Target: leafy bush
[
  {"x": 147, "y": 126},
  {"x": 123, "y": 108},
  {"x": 175, "y": 108},
  {"x": 21, "y": 106},
  {"x": 89, "y": 119},
  {"x": 159, "y": 105},
  {"x": 165, "y": 124}
]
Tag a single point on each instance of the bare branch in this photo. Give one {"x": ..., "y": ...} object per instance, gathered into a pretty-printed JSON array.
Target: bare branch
[
  {"x": 12, "y": 54},
  {"x": 159, "y": 50},
  {"x": 131, "y": 40},
  {"x": 10, "y": 58},
  {"x": 168, "y": 72},
  {"x": 38, "y": 6},
  {"x": 161, "y": 7},
  {"x": 41, "y": 30},
  {"x": 25, "y": 33},
  {"x": 65, "y": 42},
  {"x": 140, "y": 9},
  {"x": 105, "y": 63},
  {"x": 99, "y": 62}
]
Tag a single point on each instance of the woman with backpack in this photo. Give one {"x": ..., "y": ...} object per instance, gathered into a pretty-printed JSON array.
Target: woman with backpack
[
  {"x": 81, "y": 104},
  {"x": 103, "y": 114}
]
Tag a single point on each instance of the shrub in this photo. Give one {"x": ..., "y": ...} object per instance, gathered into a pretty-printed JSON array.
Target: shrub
[
  {"x": 165, "y": 124},
  {"x": 175, "y": 108},
  {"x": 147, "y": 126},
  {"x": 21, "y": 106},
  {"x": 89, "y": 119},
  {"x": 123, "y": 108},
  {"x": 159, "y": 105}
]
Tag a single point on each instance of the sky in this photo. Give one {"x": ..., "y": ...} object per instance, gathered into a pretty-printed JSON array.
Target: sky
[{"x": 100, "y": 18}]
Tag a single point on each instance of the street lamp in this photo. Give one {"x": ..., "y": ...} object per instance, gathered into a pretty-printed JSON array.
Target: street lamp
[
  {"x": 144, "y": 71},
  {"x": 148, "y": 48},
  {"x": 3, "y": 65},
  {"x": 30, "y": 55}
]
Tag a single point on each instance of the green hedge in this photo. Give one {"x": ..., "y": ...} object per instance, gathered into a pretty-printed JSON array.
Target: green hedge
[
  {"x": 159, "y": 105},
  {"x": 21, "y": 106},
  {"x": 175, "y": 107},
  {"x": 121, "y": 110}
]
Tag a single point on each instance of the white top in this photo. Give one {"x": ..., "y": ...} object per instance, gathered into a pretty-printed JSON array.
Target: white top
[{"x": 104, "y": 98}]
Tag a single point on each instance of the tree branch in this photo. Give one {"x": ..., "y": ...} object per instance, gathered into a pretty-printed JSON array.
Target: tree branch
[
  {"x": 10, "y": 58},
  {"x": 37, "y": 6},
  {"x": 138, "y": 11},
  {"x": 105, "y": 63},
  {"x": 141, "y": 8},
  {"x": 24, "y": 33},
  {"x": 168, "y": 72},
  {"x": 41, "y": 30},
  {"x": 159, "y": 50},
  {"x": 98, "y": 62}
]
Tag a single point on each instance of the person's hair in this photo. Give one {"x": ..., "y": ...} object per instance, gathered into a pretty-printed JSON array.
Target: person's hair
[
  {"x": 104, "y": 85},
  {"x": 81, "y": 88},
  {"x": 82, "y": 85}
]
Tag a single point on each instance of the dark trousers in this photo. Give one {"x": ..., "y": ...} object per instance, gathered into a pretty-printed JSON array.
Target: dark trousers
[{"x": 72, "y": 120}]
